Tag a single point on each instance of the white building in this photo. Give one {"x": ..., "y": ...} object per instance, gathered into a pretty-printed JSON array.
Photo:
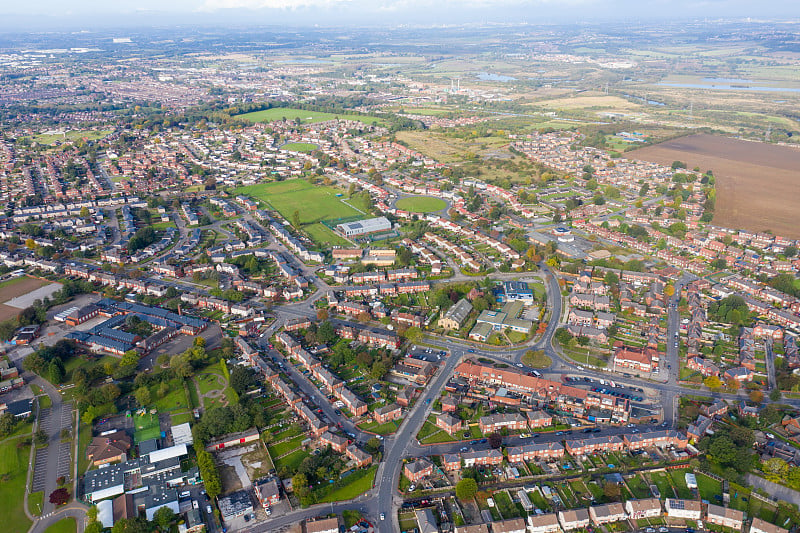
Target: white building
[
  {"x": 364, "y": 227},
  {"x": 689, "y": 509}
]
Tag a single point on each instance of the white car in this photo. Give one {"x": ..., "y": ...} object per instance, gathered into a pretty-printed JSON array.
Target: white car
[
  {"x": 383, "y": 516},
  {"x": 519, "y": 365},
  {"x": 208, "y": 509}
]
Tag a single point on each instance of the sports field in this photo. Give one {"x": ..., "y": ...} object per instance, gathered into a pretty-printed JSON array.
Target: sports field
[
  {"x": 756, "y": 183},
  {"x": 313, "y": 204},
  {"x": 306, "y": 117},
  {"x": 421, "y": 204},
  {"x": 147, "y": 427},
  {"x": 300, "y": 147}
]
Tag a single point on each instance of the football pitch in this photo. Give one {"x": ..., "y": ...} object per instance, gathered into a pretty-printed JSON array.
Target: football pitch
[
  {"x": 147, "y": 427},
  {"x": 313, "y": 204},
  {"x": 306, "y": 117}
]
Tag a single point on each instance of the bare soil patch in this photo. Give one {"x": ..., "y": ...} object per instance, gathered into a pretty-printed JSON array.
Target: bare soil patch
[
  {"x": 758, "y": 184},
  {"x": 19, "y": 286},
  {"x": 6, "y": 312}
]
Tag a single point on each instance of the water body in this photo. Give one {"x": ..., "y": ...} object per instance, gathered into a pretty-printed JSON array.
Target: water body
[
  {"x": 649, "y": 102},
  {"x": 485, "y": 76},
  {"x": 728, "y": 87}
]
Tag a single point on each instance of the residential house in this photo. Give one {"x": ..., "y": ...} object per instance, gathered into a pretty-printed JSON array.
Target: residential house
[
  {"x": 454, "y": 317},
  {"x": 647, "y": 508},
  {"x": 573, "y": 519},
  {"x": 323, "y": 525},
  {"x": 268, "y": 492},
  {"x": 544, "y": 523},
  {"x": 762, "y": 526},
  {"x": 417, "y": 469},
  {"x": 725, "y": 516},
  {"x": 607, "y": 513},
  {"x": 688, "y": 509},
  {"x": 387, "y": 413},
  {"x": 448, "y": 423},
  {"x": 514, "y": 525}
]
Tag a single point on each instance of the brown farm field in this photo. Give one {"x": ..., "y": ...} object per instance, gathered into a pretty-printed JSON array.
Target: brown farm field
[
  {"x": 13, "y": 288},
  {"x": 758, "y": 184}
]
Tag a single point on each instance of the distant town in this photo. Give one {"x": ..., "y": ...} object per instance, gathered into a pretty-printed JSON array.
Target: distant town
[{"x": 378, "y": 288}]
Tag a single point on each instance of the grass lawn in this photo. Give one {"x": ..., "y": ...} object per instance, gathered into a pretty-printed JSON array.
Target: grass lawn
[
  {"x": 679, "y": 481},
  {"x": 638, "y": 487},
  {"x": 286, "y": 446},
  {"x": 708, "y": 487},
  {"x": 181, "y": 418},
  {"x": 536, "y": 359},
  {"x": 13, "y": 472},
  {"x": 175, "y": 398},
  {"x": 35, "y": 502},
  {"x": 660, "y": 480},
  {"x": 358, "y": 486},
  {"x": 440, "y": 436},
  {"x": 84, "y": 438},
  {"x": 421, "y": 204},
  {"x": 65, "y": 525},
  {"x": 45, "y": 401},
  {"x": 291, "y": 461},
  {"x": 321, "y": 234},
  {"x": 381, "y": 429},
  {"x": 306, "y": 117},
  {"x": 52, "y": 138},
  {"x": 209, "y": 381},
  {"x": 300, "y": 147},
  {"x": 313, "y": 203},
  {"x": 147, "y": 427},
  {"x": 505, "y": 506}
]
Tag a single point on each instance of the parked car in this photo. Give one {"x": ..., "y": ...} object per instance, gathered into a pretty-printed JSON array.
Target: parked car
[{"x": 208, "y": 509}]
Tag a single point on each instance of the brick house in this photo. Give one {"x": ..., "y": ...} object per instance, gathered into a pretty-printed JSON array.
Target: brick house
[
  {"x": 588, "y": 446},
  {"x": 418, "y": 469},
  {"x": 387, "y": 413},
  {"x": 482, "y": 457},
  {"x": 448, "y": 423}
]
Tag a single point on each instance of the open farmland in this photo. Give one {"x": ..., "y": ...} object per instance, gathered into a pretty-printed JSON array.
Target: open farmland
[
  {"x": 306, "y": 117},
  {"x": 757, "y": 184}
]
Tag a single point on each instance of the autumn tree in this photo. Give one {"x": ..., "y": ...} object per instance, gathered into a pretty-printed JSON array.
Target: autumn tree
[{"x": 466, "y": 489}]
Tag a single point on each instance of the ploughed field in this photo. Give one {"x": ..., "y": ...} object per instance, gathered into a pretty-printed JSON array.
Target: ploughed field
[{"x": 758, "y": 184}]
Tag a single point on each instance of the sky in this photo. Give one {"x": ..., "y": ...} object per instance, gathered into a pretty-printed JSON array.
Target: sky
[{"x": 77, "y": 13}]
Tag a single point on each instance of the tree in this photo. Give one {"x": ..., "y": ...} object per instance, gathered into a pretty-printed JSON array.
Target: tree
[
  {"x": 495, "y": 440},
  {"x": 775, "y": 395},
  {"x": 466, "y": 489},
  {"x": 712, "y": 382},
  {"x": 40, "y": 437},
  {"x": 55, "y": 371},
  {"x": 300, "y": 486},
  {"x": 322, "y": 314},
  {"x": 241, "y": 379},
  {"x": 199, "y": 342},
  {"x": 163, "y": 389},
  {"x": 91, "y": 513},
  {"x": 756, "y": 396},
  {"x": 326, "y": 333},
  {"x": 669, "y": 291},
  {"x": 378, "y": 370},
  {"x": 142, "y": 396},
  {"x": 611, "y": 492},
  {"x": 209, "y": 473},
  {"x": 413, "y": 334},
  {"x": 296, "y": 219},
  {"x": 776, "y": 469},
  {"x": 129, "y": 358},
  {"x": 373, "y": 445},
  {"x": 163, "y": 518},
  {"x": 59, "y": 497}
]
